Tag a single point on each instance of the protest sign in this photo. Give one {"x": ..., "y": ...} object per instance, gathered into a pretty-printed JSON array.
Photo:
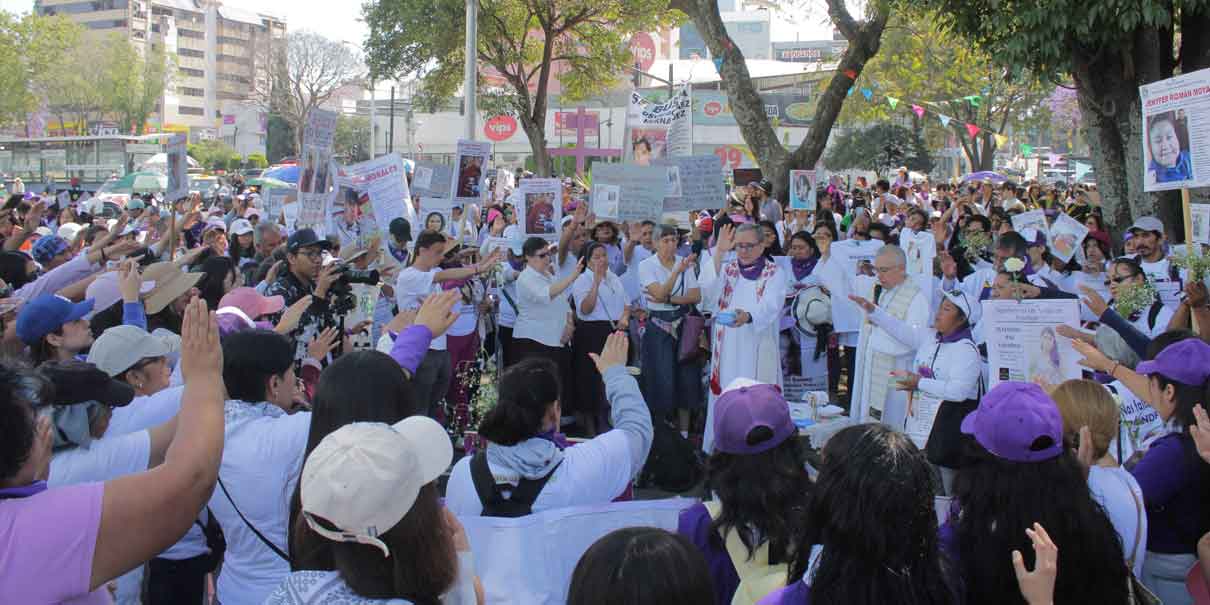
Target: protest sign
[
  {"x": 856, "y": 258},
  {"x": 658, "y": 130},
  {"x": 367, "y": 198},
  {"x": 740, "y": 177},
  {"x": 177, "y": 165},
  {"x": 313, "y": 176},
  {"x": 1200, "y": 214},
  {"x": 641, "y": 189},
  {"x": 802, "y": 190},
  {"x": 541, "y": 207},
  {"x": 695, "y": 182},
  {"x": 1023, "y": 344},
  {"x": 432, "y": 180},
  {"x": 605, "y": 200},
  {"x": 1034, "y": 218},
  {"x": 275, "y": 199},
  {"x": 1066, "y": 236},
  {"x": 436, "y": 213},
  {"x": 920, "y": 248},
  {"x": 922, "y": 416},
  {"x": 289, "y": 214},
  {"x": 470, "y": 171},
  {"x": 1176, "y": 131}
]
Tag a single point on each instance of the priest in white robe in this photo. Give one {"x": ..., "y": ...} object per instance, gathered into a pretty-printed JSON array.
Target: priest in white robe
[
  {"x": 875, "y": 398},
  {"x": 746, "y": 295}
]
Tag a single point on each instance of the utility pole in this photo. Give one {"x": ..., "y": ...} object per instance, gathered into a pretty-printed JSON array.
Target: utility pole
[
  {"x": 391, "y": 139},
  {"x": 373, "y": 122},
  {"x": 470, "y": 77}
]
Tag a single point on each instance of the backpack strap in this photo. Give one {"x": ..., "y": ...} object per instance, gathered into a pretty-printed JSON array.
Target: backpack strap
[
  {"x": 1153, "y": 313},
  {"x": 528, "y": 489},
  {"x": 277, "y": 551},
  {"x": 519, "y": 503},
  {"x": 481, "y": 475}
]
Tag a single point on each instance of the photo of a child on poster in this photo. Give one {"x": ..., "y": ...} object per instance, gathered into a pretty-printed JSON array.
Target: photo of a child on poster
[
  {"x": 648, "y": 144},
  {"x": 539, "y": 214},
  {"x": 470, "y": 173}
]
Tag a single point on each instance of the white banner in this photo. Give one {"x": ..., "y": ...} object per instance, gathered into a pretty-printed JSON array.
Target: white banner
[
  {"x": 178, "y": 164},
  {"x": 368, "y": 196},
  {"x": 276, "y": 198},
  {"x": 658, "y": 130},
  {"x": 1176, "y": 132},
  {"x": 470, "y": 170},
  {"x": 541, "y": 209},
  {"x": 1201, "y": 222},
  {"x": 314, "y": 178},
  {"x": 1022, "y": 341}
]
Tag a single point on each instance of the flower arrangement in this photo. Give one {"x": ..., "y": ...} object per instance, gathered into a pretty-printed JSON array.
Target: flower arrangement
[
  {"x": 1134, "y": 298},
  {"x": 1198, "y": 265},
  {"x": 977, "y": 245}
]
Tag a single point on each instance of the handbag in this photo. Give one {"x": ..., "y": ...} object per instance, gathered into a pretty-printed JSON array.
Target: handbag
[{"x": 689, "y": 347}]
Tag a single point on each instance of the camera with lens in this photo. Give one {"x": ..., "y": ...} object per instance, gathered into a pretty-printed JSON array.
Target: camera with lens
[
  {"x": 341, "y": 293},
  {"x": 349, "y": 275}
]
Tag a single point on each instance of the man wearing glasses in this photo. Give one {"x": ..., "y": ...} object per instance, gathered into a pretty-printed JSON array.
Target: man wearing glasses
[
  {"x": 878, "y": 351},
  {"x": 306, "y": 275}
]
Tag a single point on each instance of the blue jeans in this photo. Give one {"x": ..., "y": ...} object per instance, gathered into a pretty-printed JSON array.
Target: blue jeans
[{"x": 667, "y": 383}]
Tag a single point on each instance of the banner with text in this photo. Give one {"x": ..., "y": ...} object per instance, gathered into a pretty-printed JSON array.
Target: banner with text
[
  {"x": 314, "y": 179},
  {"x": 178, "y": 165},
  {"x": 694, "y": 182},
  {"x": 1023, "y": 343},
  {"x": 1176, "y": 132},
  {"x": 367, "y": 197},
  {"x": 658, "y": 130},
  {"x": 641, "y": 189}
]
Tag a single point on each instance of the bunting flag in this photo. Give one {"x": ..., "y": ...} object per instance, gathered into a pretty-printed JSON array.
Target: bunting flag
[
  {"x": 1001, "y": 140},
  {"x": 718, "y": 64},
  {"x": 851, "y": 74},
  {"x": 867, "y": 93},
  {"x": 1052, "y": 159},
  {"x": 945, "y": 120},
  {"x": 973, "y": 100},
  {"x": 1026, "y": 149},
  {"x": 892, "y": 101},
  {"x": 850, "y": 93},
  {"x": 972, "y": 129},
  {"x": 918, "y": 110}
]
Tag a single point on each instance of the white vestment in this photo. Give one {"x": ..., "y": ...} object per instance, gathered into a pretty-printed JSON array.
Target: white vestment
[{"x": 878, "y": 353}]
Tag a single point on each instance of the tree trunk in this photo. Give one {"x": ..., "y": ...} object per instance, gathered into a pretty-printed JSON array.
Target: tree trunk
[{"x": 537, "y": 145}]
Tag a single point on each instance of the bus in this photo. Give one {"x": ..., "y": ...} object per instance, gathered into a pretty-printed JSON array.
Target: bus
[{"x": 39, "y": 162}]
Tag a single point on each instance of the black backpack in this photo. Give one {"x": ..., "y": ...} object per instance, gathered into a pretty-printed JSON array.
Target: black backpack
[
  {"x": 491, "y": 495},
  {"x": 673, "y": 464}
]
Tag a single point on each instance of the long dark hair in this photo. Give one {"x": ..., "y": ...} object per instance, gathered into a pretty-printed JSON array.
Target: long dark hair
[
  {"x": 526, "y": 390},
  {"x": 12, "y": 269},
  {"x": 641, "y": 566},
  {"x": 21, "y": 389},
  {"x": 362, "y": 386},
  {"x": 775, "y": 248},
  {"x": 216, "y": 269},
  {"x": 423, "y": 563},
  {"x": 1000, "y": 498},
  {"x": 872, "y": 510},
  {"x": 764, "y": 496}
]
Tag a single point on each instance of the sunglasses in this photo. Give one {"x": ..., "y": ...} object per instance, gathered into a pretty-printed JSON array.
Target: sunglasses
[
  {"x": 542, "y": 255},
  {"x": 1120, "y": 279}
]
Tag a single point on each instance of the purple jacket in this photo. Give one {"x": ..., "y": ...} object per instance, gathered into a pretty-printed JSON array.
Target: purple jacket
[
  {"x": 694, "y": 524},
  {"x": 1171, "y": 485}
]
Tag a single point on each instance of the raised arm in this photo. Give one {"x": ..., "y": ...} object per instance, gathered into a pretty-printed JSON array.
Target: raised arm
[{"x": 145, "y": 513}]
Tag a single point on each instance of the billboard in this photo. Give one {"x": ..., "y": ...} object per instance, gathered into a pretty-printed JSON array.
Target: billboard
[
  {"x": 809, "y": 52},
  {"x": 751, "y": 33},
  {"x": 711, "y": 108},
  {"x": 692, "y": 43}
]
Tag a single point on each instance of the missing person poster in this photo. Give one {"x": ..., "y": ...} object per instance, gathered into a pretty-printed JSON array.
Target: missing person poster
[
  {"x": 1035, "y": 219},
  {"x": 470, "y": 171},
  {"x": 541, "y": 207},
  {"x": 367, "y": 197},
  {"x": 1200, "y": 214},
  {"x": 656, "y": 131},
  {"x": 802, "y": 190},
  {"x": 432, "y": 180},
  {"x": 605, "y": 200},
  {"x": 314, "y": 178},
  {"x": 275, "y": 199},
  {"x": 1023, "y": 343},
  {"x": 437, "y": 213},
  {"x": 1066, "y": 236},
  {"x": 1176, "y": 132},
  {"x": 178, "y": 165},
  {"x": 641, "y": 189},
  {"x": 694, "y": 182}
]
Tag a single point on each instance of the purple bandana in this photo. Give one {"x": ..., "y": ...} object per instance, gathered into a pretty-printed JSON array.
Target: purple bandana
[
  {"x": 555, "y": 437},
  {"x": 517, "y": 264},
  {"x": 802, "y": 268},
  {"x": 32, "y": 489},
  {"x": 955, "y": 336},
  {"x": 754, "y": 270}
]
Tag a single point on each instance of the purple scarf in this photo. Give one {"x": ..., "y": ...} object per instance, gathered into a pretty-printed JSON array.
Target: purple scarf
[
  {"x": 26, "y": 491},
  {"x": 517, "y": 265},
  {"x": 802, "y": 268},
  {"x": 754, "y": 270},
  {"x": 955, "y": 336},
  {"x": 555, "y": 437}
]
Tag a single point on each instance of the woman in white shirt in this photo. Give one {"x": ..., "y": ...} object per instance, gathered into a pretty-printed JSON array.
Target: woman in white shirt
[
  {"x": 543, "y": 310},
  {"x": 1084, "y": 403},
  {"x": 601, "y": 309},
  {"x": 670, "y": 290},
  {"x": 801, "y": 264}
]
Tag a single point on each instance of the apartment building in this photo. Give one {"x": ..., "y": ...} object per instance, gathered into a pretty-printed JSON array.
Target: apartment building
[{"x": 219, "y": 50}]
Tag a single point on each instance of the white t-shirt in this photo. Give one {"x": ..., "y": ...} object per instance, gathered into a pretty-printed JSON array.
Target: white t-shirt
[
  {"x": 540, "y": 318},
  {"x": 1122, "y": 498},
  {"x": 1160, "y": 274},
  {"x": 411, "y": 288},
  {"x": 652, "y": 271},
  {"x": 508, "y": 310},
  {"x": 468, "y": 315},
  {"x": 262, "y": 459},
  {"x": 630, "y": 279},
  {"x": 146, "y": 411},
  {"x": 106, "y": 458},
  {"x": 611, "y": 297}
]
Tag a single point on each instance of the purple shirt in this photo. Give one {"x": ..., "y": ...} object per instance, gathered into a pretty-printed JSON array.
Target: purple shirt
[
  {"x": 411, "y": 346},
  {"x": 694, "y": 524},
  {"x": 46, "y": 546},
  {"x": 1171, "y": 490}
]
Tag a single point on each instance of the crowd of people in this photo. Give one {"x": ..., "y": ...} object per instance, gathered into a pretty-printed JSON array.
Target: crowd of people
[{"x": 200, "y": 401}]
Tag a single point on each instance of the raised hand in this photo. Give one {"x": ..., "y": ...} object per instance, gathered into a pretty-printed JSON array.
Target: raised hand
[
  {"x": 614, "y": 353},
  {"x": 1093, "y": 301},
  {"x": 726, "y": 239},
  {"x": 437, "y": 312},
  {"x": 401, "y": 321},
  {"x": 292, "y": 315},
  {"x": 201, "y": 355},
  {"x": 865, "y": 304},
  {"x": 1201, "y": 432},
  {"x": 1092, "y": 357},
  {"x": 1038, "y": 585},
  {"x": 130, "y": 281},
  {"x": 323, "y": 344}
]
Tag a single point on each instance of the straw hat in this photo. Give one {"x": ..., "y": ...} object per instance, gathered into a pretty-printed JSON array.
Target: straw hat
[{"x": 170, "y": 283}]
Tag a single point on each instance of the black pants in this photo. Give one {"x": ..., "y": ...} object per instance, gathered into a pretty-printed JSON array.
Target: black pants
[{"x": 170, "y": 582}]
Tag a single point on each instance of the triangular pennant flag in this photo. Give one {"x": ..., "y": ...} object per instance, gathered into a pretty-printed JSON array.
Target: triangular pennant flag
[
  {"x": 1052, "y": 159},
  {"x": 851, "y": 74},
  {"x": 972, "y": 129},
  {"x": 1026, "y": 149},
  {"x": 973, "y": 100},
  {"x": 892, "y": 101},
  {"x": 945, "y": 120},
  {"x": 850, "y": 93},
  {"x": 919, "y": 111},
  {"x": 867, "y": 93},
  {"x": 1000, "y": 139},
  {"x": 718, "y": 64}
]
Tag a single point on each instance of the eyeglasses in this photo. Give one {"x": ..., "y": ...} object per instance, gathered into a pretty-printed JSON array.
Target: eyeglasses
[
  {"x": 745, "y": 247},
  {"x": 885, "y": 270},
  {"x": 312, "y": 253},
  {"x": 542, "y": 255},
  {"x": 1121, "y": 278}
]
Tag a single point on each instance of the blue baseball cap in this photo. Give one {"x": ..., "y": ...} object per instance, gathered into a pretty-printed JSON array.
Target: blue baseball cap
[
  {"x": 48, "y": 313},
  {"x": 47, "y": 247}
]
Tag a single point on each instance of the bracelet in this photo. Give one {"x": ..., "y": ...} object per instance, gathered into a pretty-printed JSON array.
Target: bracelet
[{"x": 1113, "y": 369}]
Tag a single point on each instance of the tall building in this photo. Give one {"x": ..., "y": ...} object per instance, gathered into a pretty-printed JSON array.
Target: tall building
[{"x": 219, "y": 50}]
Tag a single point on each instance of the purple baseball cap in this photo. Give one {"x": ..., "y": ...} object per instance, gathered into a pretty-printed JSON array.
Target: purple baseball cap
[
  {"x": 744, "y": 406},
  {"x": 1187, "y": 362},
  {"x": 1012, "y": 418}
]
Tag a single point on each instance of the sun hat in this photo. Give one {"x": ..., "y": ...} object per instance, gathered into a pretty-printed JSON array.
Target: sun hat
[
  {"x": 746, "y": 405},
  {"x": 241, "y": 226},
  {"x": 105, "y": 291},
  {"x": 251, "y": 303},
  {"x": 48, "y": 313},
  {"x": 69, "y": 231},
  {"x": 121, "y": 347},
  {"x": 77, "y": 382},
  {"x": 170, "y": 283},
  {"x": 1187, "y": 362},
  {"x": 1017, "y": 421},
  {"x": 364, "y": 477}
]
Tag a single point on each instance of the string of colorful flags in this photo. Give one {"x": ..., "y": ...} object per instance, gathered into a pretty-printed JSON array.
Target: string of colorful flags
[{"x": 918, "y": 108}]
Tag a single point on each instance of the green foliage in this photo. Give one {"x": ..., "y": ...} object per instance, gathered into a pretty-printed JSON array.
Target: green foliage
[
  {"x": 880, "y": 148},
  {"x": 279, "y": 140},
  {"x": 34, "y": 53},
  {"x": 215, "y": 155},
  {"x": 258, "y": 160},
  {"x": 132, "y": 82},
  {"x": 351, "y": 139}
]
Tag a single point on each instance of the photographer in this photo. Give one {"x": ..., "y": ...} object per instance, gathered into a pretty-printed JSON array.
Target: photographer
[{"x": 306, "y": 275}]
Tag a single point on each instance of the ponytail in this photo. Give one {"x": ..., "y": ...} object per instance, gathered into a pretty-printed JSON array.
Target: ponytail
[{"x": 526, "y": 391}]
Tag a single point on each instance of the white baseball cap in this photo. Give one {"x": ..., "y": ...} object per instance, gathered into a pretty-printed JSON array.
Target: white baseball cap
[
  {"x": 121, "y": 347},
  {"x": 241, "y": 226},
  {"x": 364, "y": 477},
  {"x": 971, "y": 308}
]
